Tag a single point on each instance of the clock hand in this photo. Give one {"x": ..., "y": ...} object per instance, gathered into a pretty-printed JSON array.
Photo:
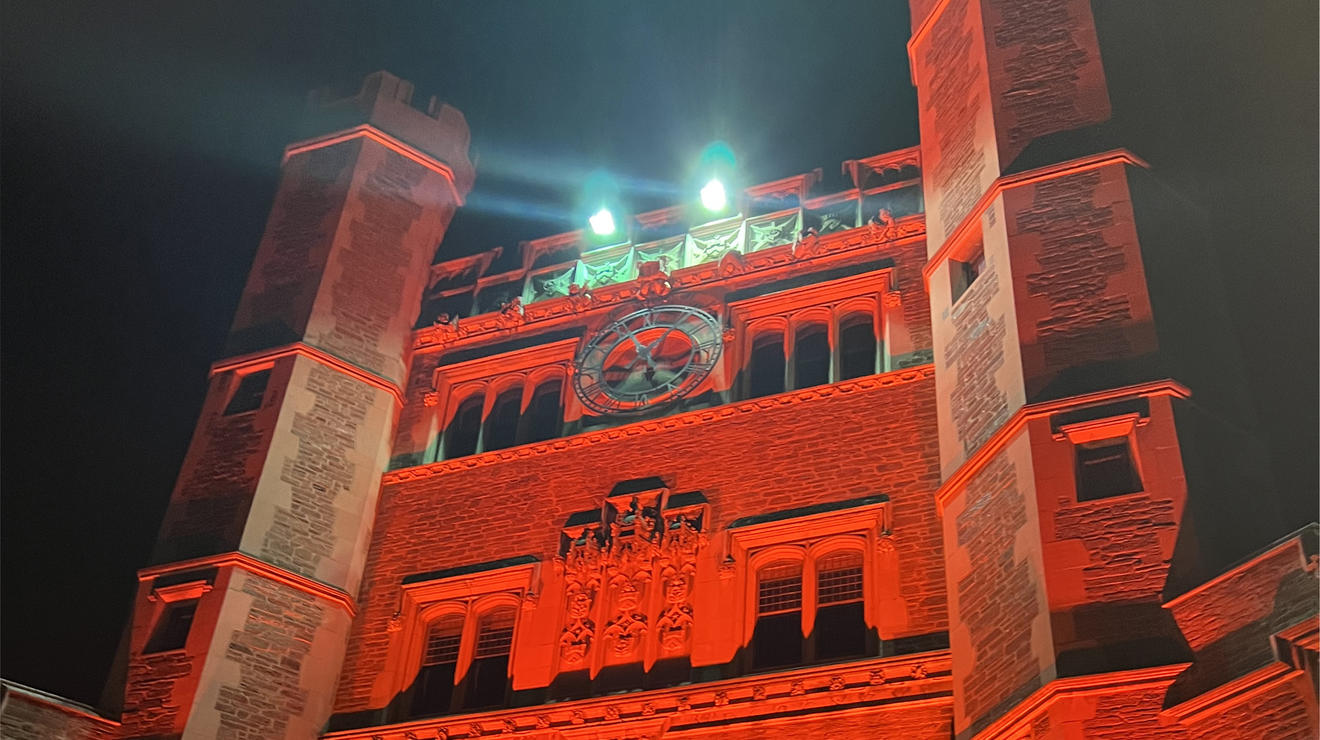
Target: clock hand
[
  {"x": 642, "y": 351},
  {"x": 663, "y": 337}
]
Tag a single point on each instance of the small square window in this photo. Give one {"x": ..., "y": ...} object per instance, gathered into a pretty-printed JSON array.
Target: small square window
[
  {"x": 1105, "y": 468},
  {"x": 171, "y": 631},
  {"x": 251, "y": 389},
  {"x": 963, "y": 274}
]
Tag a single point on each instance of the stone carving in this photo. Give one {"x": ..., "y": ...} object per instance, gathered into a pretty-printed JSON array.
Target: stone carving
[
  {"x": 579, "y": 298},
  {"x": 684, "y": 704},
  {"x": 882, "y": 226},
  {"x": 511, "y": 313},
  {"x": 758, "y": 693},
  {"x": 431, "y": 399},
  {"x": 446, "y": 328},
  {"x": 652, "y": 282},
  {"x": 877, "y": 677},
  {"x": 721, "y": 698},
  {"x": 732, "y": 263},
  {"x": 806, "y": 244},
  {"x": 510, "y": 726},
  {"x": 611, "y": 572},
  {"x": 542, "y": 721},
  {"x": 797, "y": 688},
  {"x": 581, "y": 566},
  {"x": 678, "y": 567},
  {"x": 837, "y": 683},
  {"x": 648, "y": 709}
]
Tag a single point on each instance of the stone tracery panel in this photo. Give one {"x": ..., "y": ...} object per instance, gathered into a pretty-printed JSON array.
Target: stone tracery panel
[{"x": 628, "y": 580}]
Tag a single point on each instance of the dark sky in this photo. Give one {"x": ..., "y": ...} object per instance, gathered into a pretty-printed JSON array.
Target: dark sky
[{"x": 141, "y": 145}]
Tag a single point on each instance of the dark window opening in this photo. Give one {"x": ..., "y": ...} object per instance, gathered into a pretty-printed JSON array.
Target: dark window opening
[
  {"x": 1105, "y": 469},
  {"x": 488, "y": 679},
  {"x": 433, "y": 692},
  {"x": 247, "y": 396},
  {"x": 461, "y": 437},
  {"x": 963, "y": 274},
  {"x": 777, "y": 639},
  {"x": 502, "y": 427},
  {"x": 840, "y": 628},
  {"x": 856, "y": 347},
  {"x": 544, "y": 413},
  {"x": 171, "y": 631},
  {"x": 766, "y": 371},
  {"x": 811, "y": 357}
]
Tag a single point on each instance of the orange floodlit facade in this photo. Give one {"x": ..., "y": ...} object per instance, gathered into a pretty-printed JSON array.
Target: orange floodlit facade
[{"x": 942, "y": 454}]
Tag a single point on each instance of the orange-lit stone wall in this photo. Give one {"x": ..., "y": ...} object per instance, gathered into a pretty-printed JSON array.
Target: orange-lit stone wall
[
  {"x": 992, "y": 76},
  {"x": 999, "y": 612},
  {"x": 832, "y": 443},
  {"x": 27, "y": 714},
  {"x": 1077, "y": 275},
  {"x": 272, "y": 510}
]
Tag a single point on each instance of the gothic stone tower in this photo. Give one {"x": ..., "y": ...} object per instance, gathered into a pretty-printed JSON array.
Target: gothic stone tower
[
  {"x": 1091, "y": 445},
  {"x": 239, "y": 626}
]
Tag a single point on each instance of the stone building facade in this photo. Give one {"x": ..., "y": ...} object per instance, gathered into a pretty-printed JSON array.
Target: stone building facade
[{"x": 953, "y": 452}]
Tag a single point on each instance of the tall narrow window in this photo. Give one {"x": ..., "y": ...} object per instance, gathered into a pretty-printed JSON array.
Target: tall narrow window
[
  {"x": 433, "y": 692},
  {"x": 811, "y": 356},
  {"x": 765, "y": 374},
  {"x": 856, "y": 346},
  {"x": 963, "y": 274},
  {"x": 502, "y": 427},
  {"x": 172, "y": 630},
  {"x": 464, "y": 429},
  {"x": 247, "y": 396},
  {"x": 1105, "y": 468},
  {"x": 840, "y": 628},
  {"x": 777, "y": 640},
  {"x": 488, "y": 678},
  {"x": 544, "y": 413}
]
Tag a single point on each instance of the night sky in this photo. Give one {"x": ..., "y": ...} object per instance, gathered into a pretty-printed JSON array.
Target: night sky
[{"x": 141, "y": 146}]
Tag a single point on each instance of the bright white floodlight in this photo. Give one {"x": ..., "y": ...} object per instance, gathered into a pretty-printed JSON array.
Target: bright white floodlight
[
  {"x": 603, "y": 222},
  {"x": 713, "y": 197}
]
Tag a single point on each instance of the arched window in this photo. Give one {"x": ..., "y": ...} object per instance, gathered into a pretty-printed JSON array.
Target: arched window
[
  {"x": 840, "y": 627},
  {"x": 502, "y": 426},
  {"x": 433, "y": 692},
  {"x": 488, "y": 678},
  {"x": 856, "y": 346},
  {"x": 777, "y": 640},
  {"x": 544, "y": 415},
  {"x": 765, "y": 372},
  {"x": 465, "y": 428},
  {"x": 811, "y": 356}
]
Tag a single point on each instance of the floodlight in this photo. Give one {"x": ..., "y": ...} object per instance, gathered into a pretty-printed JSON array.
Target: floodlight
[
  {"x": 602, "y": 223},
  {"x": 713, "y": 196}
]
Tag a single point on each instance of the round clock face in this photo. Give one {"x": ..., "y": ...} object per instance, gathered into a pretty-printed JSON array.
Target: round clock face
[{"x": 647, "y": 358}]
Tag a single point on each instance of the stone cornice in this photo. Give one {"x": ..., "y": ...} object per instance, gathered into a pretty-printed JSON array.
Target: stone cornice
[
  {"x": 1015, "y": 423},
  {"x": 910, "y": 679},
  {"x": 685, "y": 419},
  {"x": 957, "y": 243},
  {"x": 260, "y": 568},
  {"x": 371, "y": 133},
  {"x": 731, "y": 270},
  {"x": 67, "y": 706}
]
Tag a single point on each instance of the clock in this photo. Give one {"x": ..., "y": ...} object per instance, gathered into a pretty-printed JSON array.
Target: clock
[{"x": 646, "y": 359}]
